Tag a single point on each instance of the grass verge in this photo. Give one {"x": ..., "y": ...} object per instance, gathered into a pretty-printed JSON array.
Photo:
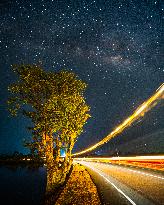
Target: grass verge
[{"x": 79, "y": 189}]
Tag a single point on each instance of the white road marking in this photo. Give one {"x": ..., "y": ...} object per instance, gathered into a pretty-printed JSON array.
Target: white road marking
[
  {"x": 151, "y": 175},
  {"x": 119, "y": 190}
]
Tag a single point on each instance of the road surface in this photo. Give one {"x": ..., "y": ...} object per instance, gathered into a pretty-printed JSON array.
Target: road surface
[{"x": 120, "y": 185}]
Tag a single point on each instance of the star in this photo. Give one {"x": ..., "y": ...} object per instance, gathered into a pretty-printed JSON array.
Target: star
[{"x": 113, "y": 46}]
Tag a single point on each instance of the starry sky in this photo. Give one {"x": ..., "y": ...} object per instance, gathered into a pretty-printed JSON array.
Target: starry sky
[{"x": 115, "y": 46}]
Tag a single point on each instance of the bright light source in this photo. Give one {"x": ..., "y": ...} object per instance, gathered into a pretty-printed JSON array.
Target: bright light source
[{"x": 139, "y": 112}]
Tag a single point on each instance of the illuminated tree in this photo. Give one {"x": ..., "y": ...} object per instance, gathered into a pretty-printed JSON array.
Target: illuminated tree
[{"x": 55, "y": 103}]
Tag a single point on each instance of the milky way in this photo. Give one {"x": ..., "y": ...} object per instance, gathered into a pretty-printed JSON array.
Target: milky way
[{"x": 115, "y": 46}]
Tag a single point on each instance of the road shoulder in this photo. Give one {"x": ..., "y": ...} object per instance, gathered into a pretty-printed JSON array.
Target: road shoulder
[{"x": 79, "y": 189}]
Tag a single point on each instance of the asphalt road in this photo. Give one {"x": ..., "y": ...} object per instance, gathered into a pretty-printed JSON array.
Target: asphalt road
[{"x": 120, "y": 185}]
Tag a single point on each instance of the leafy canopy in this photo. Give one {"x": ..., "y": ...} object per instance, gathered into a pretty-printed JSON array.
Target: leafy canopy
[{"x": 54, "y": 101}]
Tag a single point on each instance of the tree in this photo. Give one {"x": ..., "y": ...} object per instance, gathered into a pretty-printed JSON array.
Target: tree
[{"x": 55, "y": 103}]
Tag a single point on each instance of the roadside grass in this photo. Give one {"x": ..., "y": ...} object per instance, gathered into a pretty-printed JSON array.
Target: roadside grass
[{"x": 79, "y": 189}]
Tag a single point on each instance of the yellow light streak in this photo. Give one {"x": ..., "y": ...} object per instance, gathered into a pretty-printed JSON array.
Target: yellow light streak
[
  {"x": 139, "y": 112},
  {"x": 107, "y": 159}
]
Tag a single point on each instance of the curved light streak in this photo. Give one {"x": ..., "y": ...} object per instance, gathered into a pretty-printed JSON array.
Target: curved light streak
[{"x": 139, "y": 112}]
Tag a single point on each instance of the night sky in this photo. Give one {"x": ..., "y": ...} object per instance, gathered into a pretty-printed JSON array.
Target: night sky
[{"x": 114, "y": 46}]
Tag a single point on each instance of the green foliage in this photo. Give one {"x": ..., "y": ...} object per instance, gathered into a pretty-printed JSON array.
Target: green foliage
[{"x": 54, "y": 102}]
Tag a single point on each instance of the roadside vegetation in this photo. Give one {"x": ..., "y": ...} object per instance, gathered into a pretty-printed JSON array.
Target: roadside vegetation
[
  {"x": 79, "y": 189},
  {"x": 55, "y": 104},
  {"x": 19, "y": 159}
]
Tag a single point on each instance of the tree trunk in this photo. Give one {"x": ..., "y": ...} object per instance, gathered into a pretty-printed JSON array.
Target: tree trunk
[
  {"x": 47, "y": 142},
  {"x": 57, "y": 149},
  {"x": 68, "y": 158},
  {"x": 55, "y": 175}
]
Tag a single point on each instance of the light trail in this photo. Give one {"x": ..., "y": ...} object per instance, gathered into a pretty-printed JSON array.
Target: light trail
[
  {"x": 149, "y": 175},
  {"x": 136, "y": 158},
  {"x": 139, "y": 112},
  {"x": 144, "y": 162},
  {"x": 106, "y": 160},
  {"x": 118, "y": 189}
]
